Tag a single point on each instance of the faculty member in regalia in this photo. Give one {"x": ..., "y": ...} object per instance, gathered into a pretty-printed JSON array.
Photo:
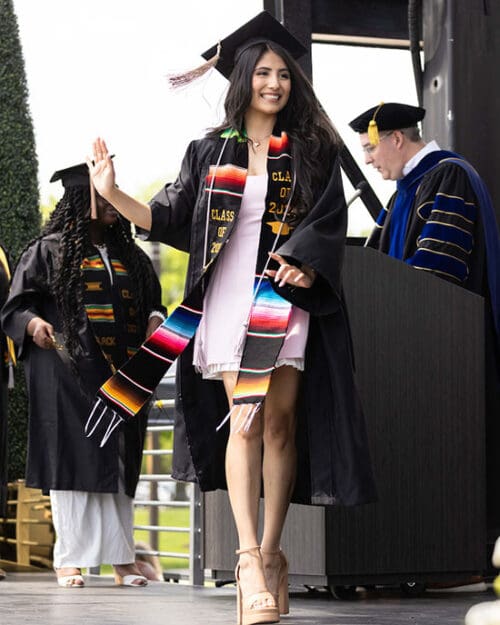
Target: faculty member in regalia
[
  {"x": 263, "y": 334},
  {"x": 83, "y": 298},
  {"x": 441, "y": 221}
]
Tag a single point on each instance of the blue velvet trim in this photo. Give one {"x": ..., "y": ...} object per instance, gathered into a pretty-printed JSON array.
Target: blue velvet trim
[
  {"x": 440, "y": 262},
  {"x": 406, "y": 189},
  {"x": 447, "y": 234}
]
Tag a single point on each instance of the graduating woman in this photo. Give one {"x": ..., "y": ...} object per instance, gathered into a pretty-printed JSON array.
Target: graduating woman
[
  {"x": 259, "y": 206},
  {"x": 83, "y": 298}
]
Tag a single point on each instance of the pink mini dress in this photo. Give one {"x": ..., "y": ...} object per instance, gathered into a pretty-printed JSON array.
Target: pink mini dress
[{"x": 219, "y": 340}]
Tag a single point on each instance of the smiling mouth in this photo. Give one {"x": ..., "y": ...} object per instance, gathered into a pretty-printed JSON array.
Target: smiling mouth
[{"x": 270, "y": 97}]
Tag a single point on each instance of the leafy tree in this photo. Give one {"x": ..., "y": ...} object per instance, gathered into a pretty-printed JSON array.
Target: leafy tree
[{"x": 19, "y": 215}]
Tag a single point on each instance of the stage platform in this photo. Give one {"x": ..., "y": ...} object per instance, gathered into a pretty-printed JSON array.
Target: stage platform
[{"x": 35, "y": 599}]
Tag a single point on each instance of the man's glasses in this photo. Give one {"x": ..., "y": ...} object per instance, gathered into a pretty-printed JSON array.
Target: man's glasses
[{"x": 369, "y": 149}]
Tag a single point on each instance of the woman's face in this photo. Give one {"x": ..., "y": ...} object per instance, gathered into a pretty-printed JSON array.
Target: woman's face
[
  {"x": 106, "y": 213},
  {"x": 271, "y": 84}
]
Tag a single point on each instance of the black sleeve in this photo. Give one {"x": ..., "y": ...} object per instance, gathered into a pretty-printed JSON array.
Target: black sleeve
[
  {"x": 28, "y": 289},
  {"x": 319, "y": 242}
]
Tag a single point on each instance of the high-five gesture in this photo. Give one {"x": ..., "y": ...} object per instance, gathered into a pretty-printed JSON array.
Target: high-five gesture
[
  {"x": 102, "y": 172},
  {"x": 101, "y": 168}
]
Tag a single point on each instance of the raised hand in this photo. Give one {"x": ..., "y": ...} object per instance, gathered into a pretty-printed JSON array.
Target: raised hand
[
  {"x": 101, "y": 168},
  {"x": 290, "y": 274}
]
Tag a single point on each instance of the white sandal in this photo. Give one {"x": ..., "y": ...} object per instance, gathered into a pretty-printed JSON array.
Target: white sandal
[
  {"x": 128, "y": 580},
  {"x": 70, "y": 581}
]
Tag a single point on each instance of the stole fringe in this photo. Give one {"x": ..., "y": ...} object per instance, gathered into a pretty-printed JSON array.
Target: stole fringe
[
  {"x": 114, "y": 420},
  {"x": 244, "y": 419}
]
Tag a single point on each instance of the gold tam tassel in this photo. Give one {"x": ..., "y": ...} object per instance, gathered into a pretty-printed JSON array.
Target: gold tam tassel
[
  {"x": 181, "y": 80},
  {"x": 373, "y": 136}
]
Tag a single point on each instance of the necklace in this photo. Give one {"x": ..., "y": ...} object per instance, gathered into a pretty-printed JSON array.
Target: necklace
[{"x": 256, "y": 143}]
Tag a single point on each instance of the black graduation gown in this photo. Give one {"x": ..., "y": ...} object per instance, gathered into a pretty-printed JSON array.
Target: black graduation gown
[
  {"x": 333, "y": 459},
  {"x": 4, "y": 290},
  {"x": 59, "y": 454}
]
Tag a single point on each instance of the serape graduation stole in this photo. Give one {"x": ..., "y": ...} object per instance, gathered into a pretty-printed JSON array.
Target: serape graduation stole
[
  {"x": 130, "y": 388},
  {"x": 267, "y": 326},
  {"x": 124, "y": 394}
]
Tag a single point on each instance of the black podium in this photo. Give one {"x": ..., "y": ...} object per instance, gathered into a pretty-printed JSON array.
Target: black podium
[{"x": 419, "y": 350}]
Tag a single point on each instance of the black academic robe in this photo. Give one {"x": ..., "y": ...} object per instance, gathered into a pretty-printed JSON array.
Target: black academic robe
[
  {"x": 4, "y": 290},
  {"x": 333, "y": 458},
  {"x": 60, "y": 456}
]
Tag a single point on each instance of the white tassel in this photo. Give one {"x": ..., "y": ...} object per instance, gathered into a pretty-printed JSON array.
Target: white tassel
[
  {"x": 226, "y": 418},
  {"x": 248, "y": 412},
  {"x": 113, "y": 424},
  {"x": 87, "y": 425},
  {"x": 241, "y": 413}
]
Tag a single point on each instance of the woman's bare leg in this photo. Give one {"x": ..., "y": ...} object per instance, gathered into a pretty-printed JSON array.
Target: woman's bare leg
[
  {"x": 243, "y": 475},
  {"x": 279, "y": 464}
]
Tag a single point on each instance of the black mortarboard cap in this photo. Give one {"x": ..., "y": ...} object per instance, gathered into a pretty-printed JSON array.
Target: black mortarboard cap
[
  {"x": 388, "y": 116},
  {"x": 263, "y": 27},
  {"x": 74, "y": 176}
]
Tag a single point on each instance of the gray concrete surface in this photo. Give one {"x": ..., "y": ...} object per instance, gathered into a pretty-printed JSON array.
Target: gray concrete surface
[{"x": 35, "y": 599}]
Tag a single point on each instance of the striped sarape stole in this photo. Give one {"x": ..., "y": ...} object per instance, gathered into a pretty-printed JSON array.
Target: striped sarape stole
[{"x": 131, "y": 387}]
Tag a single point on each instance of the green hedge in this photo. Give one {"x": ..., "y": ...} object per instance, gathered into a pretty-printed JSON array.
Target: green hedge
[{"x": 19, "y": 212}]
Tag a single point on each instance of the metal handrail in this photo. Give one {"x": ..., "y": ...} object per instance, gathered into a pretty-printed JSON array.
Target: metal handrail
[
  {"x": 162, "y": 528},
  {"x": 160, "y": 504},
  {"x": 157, "y": 452},
  {"x": 160, "y": 428},
  {"x": 196, "y": 573}
]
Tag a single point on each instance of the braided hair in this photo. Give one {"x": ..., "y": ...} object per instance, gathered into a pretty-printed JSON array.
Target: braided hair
[{"x": 71, "y": 219}]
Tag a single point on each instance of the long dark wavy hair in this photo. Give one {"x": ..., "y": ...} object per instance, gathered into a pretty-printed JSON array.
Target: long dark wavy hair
[
  {"x": 71, "y": 218},
  {"x": 315, "y": 142}
]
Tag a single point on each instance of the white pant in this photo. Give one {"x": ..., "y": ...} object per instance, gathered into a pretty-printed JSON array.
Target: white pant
[{"x": 92, "y": 528}]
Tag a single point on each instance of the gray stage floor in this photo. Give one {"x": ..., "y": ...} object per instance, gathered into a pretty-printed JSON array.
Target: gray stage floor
[{"x": 35, "y": 599}]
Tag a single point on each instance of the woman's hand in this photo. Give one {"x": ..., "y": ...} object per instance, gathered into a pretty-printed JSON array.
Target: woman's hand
[
  {"x": 290, "y": 274},
  {"x": 153, "y": 323},
  {"x": 101, "y": 169},
  {"x": 42, "y": 332}
]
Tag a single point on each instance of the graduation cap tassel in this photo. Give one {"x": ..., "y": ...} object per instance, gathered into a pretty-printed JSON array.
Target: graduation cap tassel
[
  {"x": 181, "y": 80},
  {"x": 373, "y": 136}
]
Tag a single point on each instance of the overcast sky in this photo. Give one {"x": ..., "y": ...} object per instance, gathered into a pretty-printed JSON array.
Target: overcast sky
[{"x": 99, "y": 68}]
